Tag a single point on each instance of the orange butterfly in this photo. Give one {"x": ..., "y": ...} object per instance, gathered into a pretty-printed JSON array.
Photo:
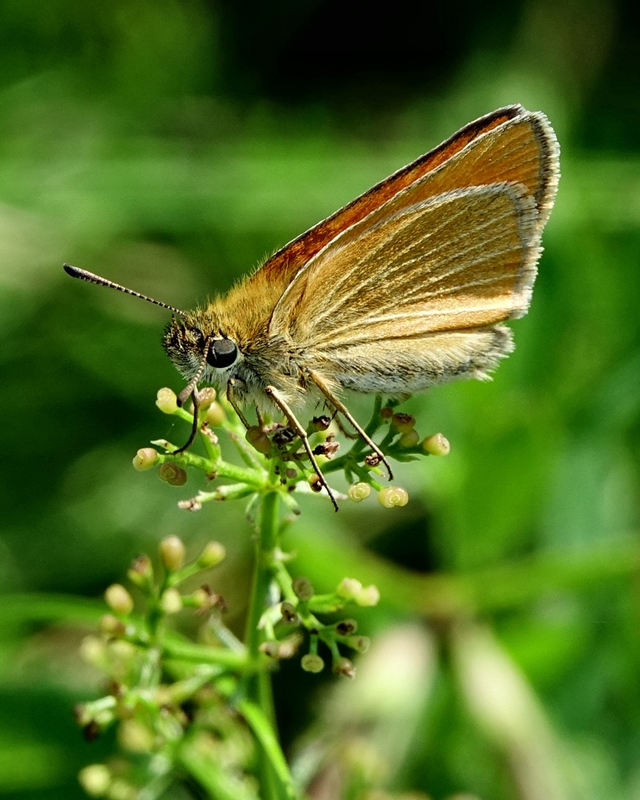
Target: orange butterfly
[{"x": 402, "y": 289}]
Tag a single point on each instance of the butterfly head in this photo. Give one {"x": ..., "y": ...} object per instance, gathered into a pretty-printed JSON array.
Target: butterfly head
[{"x": 209, "y": 354}]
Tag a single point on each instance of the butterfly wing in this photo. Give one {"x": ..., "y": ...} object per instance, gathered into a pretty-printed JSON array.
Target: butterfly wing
[
  {"x": 285, "y": 263},
  {"x": 428, "y": 274}
]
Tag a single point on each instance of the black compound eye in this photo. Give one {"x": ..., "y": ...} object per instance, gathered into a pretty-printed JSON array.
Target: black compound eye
[{"x": 222, "y": 353}]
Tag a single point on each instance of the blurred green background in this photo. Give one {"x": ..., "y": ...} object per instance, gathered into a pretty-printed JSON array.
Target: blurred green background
[{"x": 170, "y": 146}]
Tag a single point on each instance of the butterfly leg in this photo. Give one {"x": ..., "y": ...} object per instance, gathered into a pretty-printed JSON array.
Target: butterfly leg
[
  {"x": 273, "y": 393},
  {"x": 234, "y": 403},
  {"x": 340, "y": 406}
]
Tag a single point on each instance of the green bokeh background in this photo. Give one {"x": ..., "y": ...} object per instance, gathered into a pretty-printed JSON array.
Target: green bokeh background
[{"x": 172, "y": 145}]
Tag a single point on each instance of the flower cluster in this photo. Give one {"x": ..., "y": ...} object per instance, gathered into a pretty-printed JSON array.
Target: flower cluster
[{"x": 275, "y": 459}]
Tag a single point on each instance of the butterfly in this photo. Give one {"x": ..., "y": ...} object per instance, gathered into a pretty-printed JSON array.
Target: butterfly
[{"x": 404, "y": 288}]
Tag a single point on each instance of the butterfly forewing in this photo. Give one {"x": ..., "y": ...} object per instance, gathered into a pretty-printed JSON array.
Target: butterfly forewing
[
  {"x": 435, "y": 256},
  {"x": 525, "y": 150},
  {"x": 446, "y": 264}
]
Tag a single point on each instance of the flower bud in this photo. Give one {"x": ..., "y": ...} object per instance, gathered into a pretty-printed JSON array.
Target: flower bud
[
  {"x": 270, "y": 648},
  {"x": 172, "y": 552},
  {"x": 215, "y": 414},
  {"x": 95, "y": 779},
  {"x": 110, "y": 625},
  {"x": 436, "y": 445},
  {"x": 171, "y": 601},
  {"x": 145, "y": 458},
  {"x": 141, "y": 570},
  {"x": 206, "y": 396},
  {"x": 344, "y": 666},
  {"x": 346, "y": 627},
  {"x": 359, "y": 643},
  {"x": 119, "y": 599},
  {"x": 258, "y": 439},
  {"x": 392, "y": 496},
  {"x": 212, "y": 555},
  {"x": 173, "y": 474},
  {"x": 92, "y": 649},
  {"x": 358, "y": 491},
  {"x": 311, "y": 662},
  {"x": 368, "y": 596},
  {"x": 349, "y": 588},
  {"x": 321, "y": 423},
  {"x": 409, "y": 439},
  {"x": 303, "y": 588},
  {"x": 167, "y": 401},
  {"x": 403, "y": 423},
  {"x": 289, "y": 613}
]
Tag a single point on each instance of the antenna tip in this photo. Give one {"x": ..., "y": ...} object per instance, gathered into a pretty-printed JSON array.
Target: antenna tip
[{"x": 70, "y": 270}]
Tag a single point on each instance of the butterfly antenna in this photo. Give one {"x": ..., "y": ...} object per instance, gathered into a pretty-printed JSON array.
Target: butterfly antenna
[
  {"x": 85, "y": 275},
  {"x": 190, "y": 388}
]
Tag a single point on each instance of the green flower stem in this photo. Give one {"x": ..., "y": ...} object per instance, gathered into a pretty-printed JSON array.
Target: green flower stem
[
  {"x": 257, "y": 705},
  {"x": 247, "y": 453},
  {"x": 205, "y": 654},
  {"x": 265, "y": 733},
  {"x": 265, "y": 548},
  {"x": 283, "y": 578},
  {"x": 214, "y": 451},
  {"x": 222, "y": 469},
  {"x": 234, "y": 491}
]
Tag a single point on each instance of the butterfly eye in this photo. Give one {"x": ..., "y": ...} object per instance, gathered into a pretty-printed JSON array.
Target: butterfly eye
[{"x": 222, "y": 353}]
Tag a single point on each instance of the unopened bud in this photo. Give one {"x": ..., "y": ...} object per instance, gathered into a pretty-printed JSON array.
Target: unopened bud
[
  {"x": 167, "y": 401},
  {"x": 289, "y": 613},
  {"x": 403, "y": 423},
  {"x": 92, "y": 649},
  {"x": 359, "y": 643},
  {"x": 346, "y": 627},
  {"x": 171, "y": 601},
  {"x": 141, "y": 570},
  {"x": 258, "y": 439},
  {"x": 172, "y": 552},
  {"x": 344, "y": 666},
  {"x": 311, "y": 662},
  {"x": 303, "y": 588},
  {"x": 212, "y": 555},
  {"x": 393, "y": 496},
  {"x": 215, "y": 414},
  {"x": 110, "y": 625},
  {"x": 409, "y": 439},
  {"x": 321, "y": 423},
  {"x": 145, "y": 458},
  {"x": 119, "y": 599},
  {"x": 349, "y": 588},
  {"x": 270, "y": 649},
  {"x": 206, "y": 396},
  {"x": 368, "y": 597},
  {"x": 436, "y": 445},
  {"x": 358, "y": 491},
  {"x": 173, "y": 474},
  {"x": 95, "y": 779}
]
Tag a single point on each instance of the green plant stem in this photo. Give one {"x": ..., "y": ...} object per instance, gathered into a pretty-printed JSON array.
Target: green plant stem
[
  {"x": 266, "y": 735},
  {"x": 274, "y": 775},
  {"x": 265, "y": 546}
]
